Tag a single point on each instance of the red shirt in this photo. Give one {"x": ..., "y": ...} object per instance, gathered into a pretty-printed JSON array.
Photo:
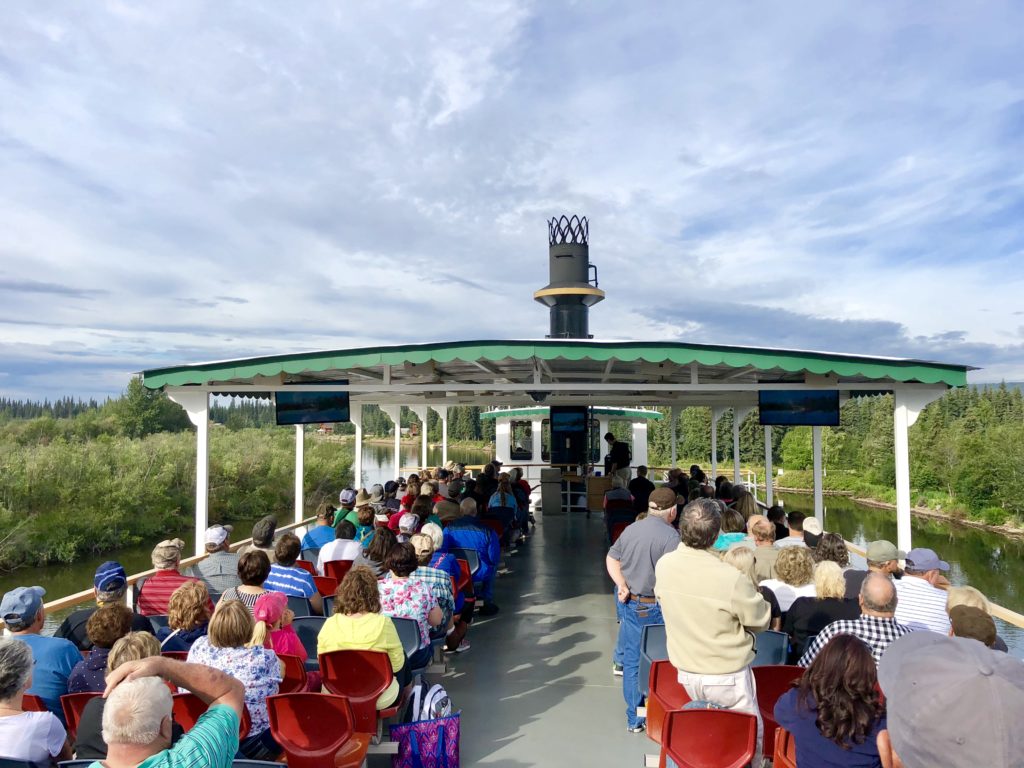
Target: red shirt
[{"x": 157, "y": 590}]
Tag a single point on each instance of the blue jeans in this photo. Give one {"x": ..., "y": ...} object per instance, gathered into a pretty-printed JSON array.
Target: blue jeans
[
  {"x": 635, "y": 616},
  {"x": 617, "y": 653}
]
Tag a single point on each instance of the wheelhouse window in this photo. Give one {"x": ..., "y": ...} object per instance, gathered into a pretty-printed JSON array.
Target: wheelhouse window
[{"x": 522, "y": 441}]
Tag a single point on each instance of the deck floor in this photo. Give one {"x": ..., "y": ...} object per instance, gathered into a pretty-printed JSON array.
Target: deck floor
[{"x": 536, "y": 689}]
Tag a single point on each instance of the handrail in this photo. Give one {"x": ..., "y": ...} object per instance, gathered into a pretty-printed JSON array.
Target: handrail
[
  {"x": 88, "y": 595},
  {"x": 1010, "y": 617}
]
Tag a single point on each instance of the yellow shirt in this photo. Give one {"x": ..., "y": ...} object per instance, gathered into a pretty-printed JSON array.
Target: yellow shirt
[{"x": 369, "y": 632}]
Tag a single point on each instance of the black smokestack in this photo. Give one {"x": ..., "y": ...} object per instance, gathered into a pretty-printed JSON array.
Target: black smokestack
[{"x": 572, "y": 290}]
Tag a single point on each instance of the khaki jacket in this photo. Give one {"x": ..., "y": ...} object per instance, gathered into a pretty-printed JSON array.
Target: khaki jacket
[{"x": 708, "y": 607}]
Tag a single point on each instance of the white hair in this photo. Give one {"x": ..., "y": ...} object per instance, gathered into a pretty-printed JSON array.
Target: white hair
[
  {"x": 134, "y": 711},
  {"x": 15, "y": 667},
  {"x": 433, "y": 530}
]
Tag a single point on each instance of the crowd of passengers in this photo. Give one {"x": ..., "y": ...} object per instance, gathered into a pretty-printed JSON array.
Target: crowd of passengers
[
  {"x": 902, "y": 669},
  {"x": 229, "y": 613}
]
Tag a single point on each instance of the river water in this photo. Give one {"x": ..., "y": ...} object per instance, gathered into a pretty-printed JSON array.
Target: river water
[{"x": 992, "y": 563}]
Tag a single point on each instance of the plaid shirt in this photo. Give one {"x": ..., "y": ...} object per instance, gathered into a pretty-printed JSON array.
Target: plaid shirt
[
  {"x": 440, "y": 584},
  {"x": 876, "y": 633}
]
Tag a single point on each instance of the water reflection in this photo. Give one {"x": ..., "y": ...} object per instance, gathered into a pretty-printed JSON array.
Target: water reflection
[{"x": 379, "y": 459}]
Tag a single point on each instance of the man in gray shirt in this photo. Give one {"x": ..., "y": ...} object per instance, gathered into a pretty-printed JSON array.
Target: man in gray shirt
[
  {"x": 630, "y": 563},
  {"x": 219, "y": 570}
]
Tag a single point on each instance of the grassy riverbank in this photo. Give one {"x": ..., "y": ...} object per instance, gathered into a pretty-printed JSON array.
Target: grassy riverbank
[{"x": 65, "y": 497}]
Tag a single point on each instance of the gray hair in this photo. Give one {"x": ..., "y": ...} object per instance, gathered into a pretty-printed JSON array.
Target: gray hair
[
  {"x": 15, "y": 667},
  {"x": 468, "y": 505},
  {"x": 134, "y": 711},
  {"x": 700, "y": 523},
  {"x": 878, "y": 593},
  {"x": 115, "y": 595},
  {"x": 433, "y": 530}
]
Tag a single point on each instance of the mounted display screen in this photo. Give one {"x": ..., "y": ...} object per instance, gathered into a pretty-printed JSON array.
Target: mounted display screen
[
  {"x": 569, "y": 434},
  {"x": 311, "y": 407},
  {"x": 565, "y": 418},
  {"x": 799, "y": 407}
]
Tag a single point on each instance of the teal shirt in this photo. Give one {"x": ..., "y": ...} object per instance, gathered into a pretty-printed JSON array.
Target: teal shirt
[{"x": 212, "y": 743}]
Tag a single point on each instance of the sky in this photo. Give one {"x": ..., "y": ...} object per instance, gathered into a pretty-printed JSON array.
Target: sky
[{"x": 204, "y": 180}]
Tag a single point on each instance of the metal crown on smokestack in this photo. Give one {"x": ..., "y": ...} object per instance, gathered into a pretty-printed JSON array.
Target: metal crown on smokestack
[{"x": 572, "y": 290}]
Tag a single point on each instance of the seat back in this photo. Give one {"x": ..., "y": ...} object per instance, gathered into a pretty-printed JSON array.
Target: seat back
[
  {"x": 771, "y": 682},
  {"x": 337, "y": 569},
  {"x": 710, "y": 738},
  {"x": 158, "y": 621},
  {"x": 471, "y": 556},
  {"x": 187, "y": 708},
  {"x": 495, "y": 525},
  {"x": 784, "y": 755},
  {"x": 408, "y": 633},
  {"x": 770, "y": 647},
  {"x": 297, "y": 724},
  {"x": 466, "y": 578},
  {"x": 325, "y": 585},
  {"x": 32, "y": 703},
  {"x": 309, "y": 566},
  {"x": 294, "y": 673},
  {"x": 308, "y": 628},
  {"x": 361, "y": 677},
  {"x": 620, "y": 506},
  {"x": 176, "y": 655},
  {"x": 666, "y": 694},
  {"x": 617, "y": 529},
  {"x": 653, "y": 646},
  {"x": 7, "y": 762},
  {"x": 300, "y": 606},
  {"x": 73, "y": 705}
]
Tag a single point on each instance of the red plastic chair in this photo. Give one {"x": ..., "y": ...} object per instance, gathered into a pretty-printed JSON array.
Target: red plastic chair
[
  {"x": 188, "y": 708},
  {"x": 785, "y": 749},
  {"x": 176, "y": 655},
  {"x": 466, "y": 579},
  {"x": 666, "y": 694},
  {"x": 361, "y": 677},
  {"x": 496, "y": 526},
  {"x": 326, "y": 585},
  {"x": 617, "y": 529},
  {"x": 294, "y": 673},
  {"x": 32, "y": 703},
  {"x": 307, "y": 566},
  {"x": 772, "y": 681},
  {"x": 73, "y": 705},
  {"x": 710, "y": 738},
  {"x": 297, "y": 724},
  {"x": 337, "y": 569}
]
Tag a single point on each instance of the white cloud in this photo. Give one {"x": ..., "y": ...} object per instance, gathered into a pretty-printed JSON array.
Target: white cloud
[{"x": 348, "y": 174}]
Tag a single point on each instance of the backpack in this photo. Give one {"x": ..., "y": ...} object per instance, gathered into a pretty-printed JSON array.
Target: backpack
[{"x": 427, "y": 702}]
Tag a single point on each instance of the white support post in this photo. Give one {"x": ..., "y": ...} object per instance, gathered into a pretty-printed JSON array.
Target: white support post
[
  {"x": 442, "y": 412},
  {"x": 819, "y": 499},
  {"x": 639, "y": 432},
  {"x": 197, "y": 405},
  {"x": 716, "y": 414},
  {"x": 675, "y": 435},
  {"x": 394, "y": 412},
  {"x": 769, "y": 488},
  {"x": 908, "y": 402},
  {"x": 421, "y": 414},
  {"x": 735, "y": 446},
  {"x": 300, "y": 465},
  {"x": 356, "y": 416}
]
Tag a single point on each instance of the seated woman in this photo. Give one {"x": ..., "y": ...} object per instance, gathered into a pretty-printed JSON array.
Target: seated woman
[
  {"x": 358, "y": 625},
  {"x": 831, "y": 546},
  {"x": 89, "y": 744},
  {"x": 104, "y": 628},
  {"x": 835, "y": 712},
  {"x": 809, "y": 615},
  {"x": 226, "y": 648},
  {"x": 742, "y": 559},
  {"x": 733, "y": 530},
  {"x": 188, "y": 617},
  {"x": 253, "y": 569},
  {"x": 38, "y": 737},
  {"x": 408, "y": 598},
  {"x": 795, "y": 568},
  {"x": 373, "y": 556}
]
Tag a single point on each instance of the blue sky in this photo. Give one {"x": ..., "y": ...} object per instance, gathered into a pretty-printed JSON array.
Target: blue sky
[{"x": 193, "y": 181}]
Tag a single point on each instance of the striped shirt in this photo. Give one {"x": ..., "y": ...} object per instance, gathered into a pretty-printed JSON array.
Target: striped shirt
[
  {"x": 920, "y": 605},
  {"x": 157, "y": 590},
  {"x": 290, "y": 580},
  {"x": 440, "y": 584},
  {"x": 212, "y": 743},
  {"x": 875, "y": 631}
]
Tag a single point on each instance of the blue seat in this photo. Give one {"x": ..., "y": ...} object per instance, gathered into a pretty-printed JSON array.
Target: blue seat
[
  {"x": 770, "y": 648},
  {"x": 300, "y": 606},
  {"x": 328, "y": 606},
  {"x": 653, "y": 647},
  {"x": 308, "y": 628},
  {"x": 471, "y": 556},
  {"x": 409, "y": 634},
  {"x": 157, "y": 622}
]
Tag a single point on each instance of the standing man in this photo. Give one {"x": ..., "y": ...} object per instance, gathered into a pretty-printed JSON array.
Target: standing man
[
  {"x": 630, "y": 563},
  {"x": 922, "y": 604},
  {"x": 619, "y": 458},
  {"x": 710, "y": 610}
]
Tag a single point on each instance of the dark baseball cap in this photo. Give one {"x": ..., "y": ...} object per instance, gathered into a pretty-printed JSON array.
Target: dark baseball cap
[{"x": 662, "y": 499}]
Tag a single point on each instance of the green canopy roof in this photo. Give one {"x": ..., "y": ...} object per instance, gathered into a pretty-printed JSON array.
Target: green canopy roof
[
  {"x": 500, "y": 359},
  {"x": 633, "y": 414}
]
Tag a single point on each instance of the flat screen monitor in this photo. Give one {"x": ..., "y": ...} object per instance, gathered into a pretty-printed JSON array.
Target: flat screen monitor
[
  {"x": 799, "y": 407},
  {"x": 566, "y": 418},
  {"x": 311, "y": 407}
]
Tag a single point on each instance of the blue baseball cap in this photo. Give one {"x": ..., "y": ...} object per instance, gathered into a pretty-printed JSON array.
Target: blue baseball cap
[
  {"x": 923, "y": 559},
  {"x": 109, "y": 576},
  {"x": 21, "y": 605}
]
